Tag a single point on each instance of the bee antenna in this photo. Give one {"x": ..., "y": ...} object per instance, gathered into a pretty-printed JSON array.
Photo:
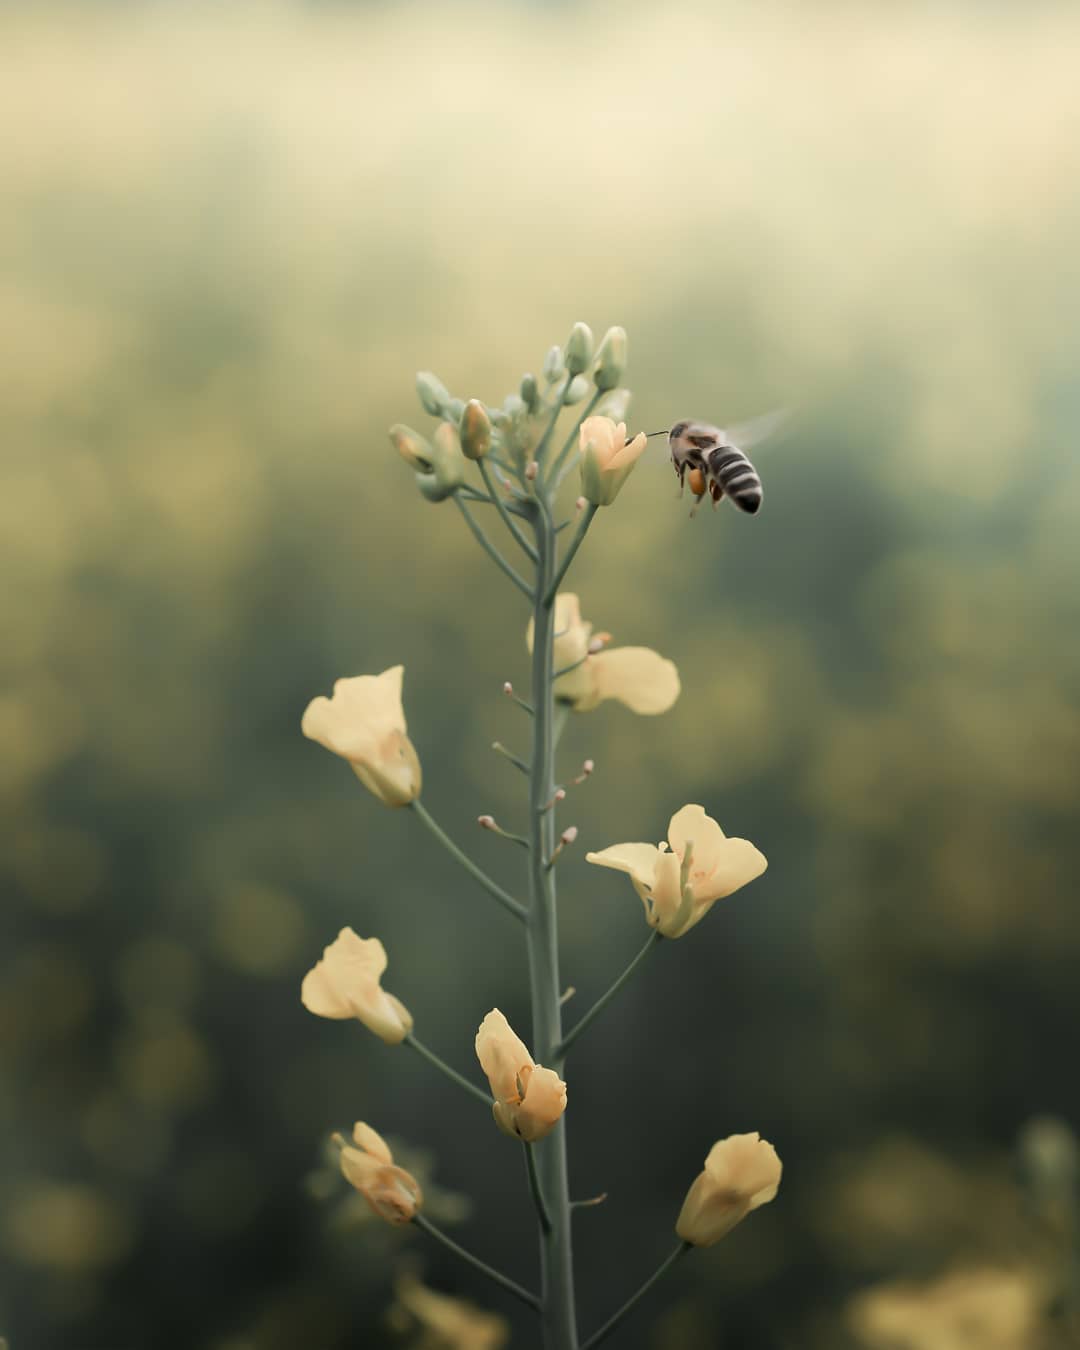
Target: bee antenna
[{"x": 650, "y": 434}]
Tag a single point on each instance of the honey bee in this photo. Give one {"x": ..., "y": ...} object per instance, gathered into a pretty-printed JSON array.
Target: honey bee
[{"x": 709, "y": 459}]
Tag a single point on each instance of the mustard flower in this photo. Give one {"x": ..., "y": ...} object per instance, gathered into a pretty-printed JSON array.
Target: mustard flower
[
  {"x": 392, "y": 1193},
  {"x": 528, "y": 1098},
  {"x": 642, "y": 679},
  {"x": 741, "y": 1173},
  {"x": 345, "y": 983},
  {"x": 456, "y": 1323},
  {"x": 606, "y": 459},
  {"x": 680, "y": 881},
  {"x": 364, "y": 723}
]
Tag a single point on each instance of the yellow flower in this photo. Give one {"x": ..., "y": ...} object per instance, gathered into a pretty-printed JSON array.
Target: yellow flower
[
  {"x": 680, "y": 884},
  {"x": 392, "y": 1193},
  {"x": 741, "y": 1173},
  {"x": 992, "y": 1309},
  {"x": 644, "y": 680},
  {"x": 528, "y": 1099},
  {"x": 606, "y": 459},
  {"x": 454, "y": 1323},
  {"x": 364, "y": 723},
  {"x": 345, "y": 983}
]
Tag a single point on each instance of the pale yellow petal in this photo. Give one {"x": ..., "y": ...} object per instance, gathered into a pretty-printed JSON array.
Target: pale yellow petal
[
  {"x": 543, "y": 1104},
  {"x": 628, "y": 455},
  {"x": 371, "y": 1142},
  {"x": 602, "y": 436},
  {"x": 502, "y": 1055},
  {"x": 737, "y": 863},
  {"x": 746, "y": 1164},
  {"x": 691, "y": 823},
  {"x": 321, "y": 996},
  {"x": 668, "y": 913},
  {"x": 644, "y": 680},
  {"x": 638, "y": 860}
]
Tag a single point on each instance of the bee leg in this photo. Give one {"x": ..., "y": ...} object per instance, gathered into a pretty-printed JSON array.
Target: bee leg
[{"x": 697, "y": 503}]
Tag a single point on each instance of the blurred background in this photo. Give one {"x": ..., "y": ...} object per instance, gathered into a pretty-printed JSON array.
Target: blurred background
[{"x": 230, "y": 235}]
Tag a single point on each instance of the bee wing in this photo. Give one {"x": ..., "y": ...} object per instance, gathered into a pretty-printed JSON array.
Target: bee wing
[{"x": 758, "y": 429}]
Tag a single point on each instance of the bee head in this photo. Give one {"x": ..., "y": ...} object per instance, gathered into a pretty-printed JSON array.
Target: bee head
[{"x": 677, "y": 430}]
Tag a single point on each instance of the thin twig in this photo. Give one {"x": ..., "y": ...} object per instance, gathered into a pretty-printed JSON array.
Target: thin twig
[
  {"x": 613, "y": 1321},
  {"x": 534, "y": 1187},
  {"x": 492, "y": 887},
  {"x": 504, "y": 1280},
  {"x": 500, "y": 506},
  {"x": 492, "y": 552},
  {"x": 604, "y": 999},
  {"x": 443, "y": 1067}
]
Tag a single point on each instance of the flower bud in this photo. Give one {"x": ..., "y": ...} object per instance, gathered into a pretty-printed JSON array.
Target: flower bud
[
  {"x": 741, "y": 1173},
  {"x": 554, "y": 365},
  {"x": 454, "y": 410},
  {"x": 433, "y": 393},
  {"x": 447, "y": 466},
  {"x": 475, "y": 430},
  {"x": 514, "y": 406},
  {"x": 610, "y": 359},
  {"x": 411, "y": 446},
  {"x": 529, "y": 391},
  {"x": 576, "y": 390},
  {"x": 368, "y": 1164},
  {"x": 529, "y": 1099},
  {"x": 615, "y": 404},
  {"x": 579, "y": 348}
]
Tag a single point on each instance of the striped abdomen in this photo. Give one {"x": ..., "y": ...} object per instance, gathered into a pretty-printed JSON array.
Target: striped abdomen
[{"x": 730, "y": 474}]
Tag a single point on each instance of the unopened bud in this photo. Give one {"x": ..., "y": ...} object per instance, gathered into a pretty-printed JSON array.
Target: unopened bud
[
  {"x": 560, "y": 794},
  {"x": 513, "y": 405},
  {"x": 615, "y": 404},
  {"x": 568, "y": 835},
  {"x": 447, "y": 466},
  {"x": 508, "y": 689},
  {"x": 411, "y": 446},
  {"x": 454, "y": 410},
  {"x": 580, "y": 504},
  {"x": 531, "y": 470},
  {"x": 529, "y": 391},
  {"x": 432, "y": 391},
  {"x": 486, "y": 822},
  {"x": 475, "y": 430},
  {"x": 610, "y": 359},
  {"x": 554, "y": 365},
  {"x": 588, "y": 767},
  {"x": 579, "y": 348},
  {"x": 579, "y": 386}
]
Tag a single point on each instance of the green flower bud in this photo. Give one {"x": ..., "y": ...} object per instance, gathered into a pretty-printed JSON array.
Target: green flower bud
[
  {"x": 411, "y": 446},
  {"x": 514, "y": 406},
  {"x": 529, "y": 392},
  {"x": 579, "y": 387},
  {"x": 554, "y": 365},
  {"x": 475, "y": 430},
  {"x": 432, "y": 391},
  {"x": 579, "y": 348},
  {"x": 454, "y": 411},
  {"x": 610, "y": 359},
  {"x": 447, "y": 466},
  {"x": 615, "y": 404}
]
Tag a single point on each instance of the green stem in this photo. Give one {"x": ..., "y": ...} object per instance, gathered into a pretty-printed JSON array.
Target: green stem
[
  {"x": 557, "y": 1275},
  {"x": 443, "y": 1067},
  {"x": 534, "y": 1187},
  {"x": 492, "y": 552},
  {"x": 571, "y": 440},
  {"x": 560, "y": 403},
  {"x": 504, "y": 1280},
  {"x": 492, "y": 887},
  {"x": 500, "y": 506},
  {"x": 571, "y": 549},
  {"x": 613, "y": 1321},
  {"x": 602, "y": 1002}
]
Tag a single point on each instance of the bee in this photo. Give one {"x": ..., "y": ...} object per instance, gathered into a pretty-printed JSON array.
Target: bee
[{"x": 710, "y": 460}]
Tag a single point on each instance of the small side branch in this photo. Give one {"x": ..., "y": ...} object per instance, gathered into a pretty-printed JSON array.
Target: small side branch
[
  {"x": 492, "y": 887},
  {"x": 612, "y": 1322},
  {"x": 443, "y": 1067},
  {"x": 601, "y": 1003},
  {"x": 511, "y": 1286},
  {"x": 500, "y": 506},
  {"x": 534, "y": 1187},
  {"x": 492, "y": 552},
  {"x": 572, "y": 439},
  {"x": 571, "y": 549}
]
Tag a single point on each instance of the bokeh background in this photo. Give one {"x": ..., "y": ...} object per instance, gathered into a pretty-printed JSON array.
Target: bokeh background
[{"x": 230, "y": 234}]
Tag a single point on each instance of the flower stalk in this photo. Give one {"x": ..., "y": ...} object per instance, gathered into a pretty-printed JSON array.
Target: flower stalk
[
  {"x": 493, "y": 888},
  {"x": 504, "y": 1281},
  {"x": 651, "y": 942}
]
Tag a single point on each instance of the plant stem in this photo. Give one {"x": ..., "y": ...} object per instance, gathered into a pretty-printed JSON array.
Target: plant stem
[
  {"x": 492, "y": 552},
  {"x": 557, "y": 1275},
  {"x": 571, "y": 440},
  {"x": 500, "y": 506},
  {"x": 560, "y": 403},
  {"x": 443, "y": 1067},
  {"x": 534, "y": 1187},
  {"x": 601, "y": 1003},
  {"x": 504, "y": 1280},
  {"x": 492, "y": 887},
  {"x": 572, "y": 548},
  {"x": 614, "y": 1320}
]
